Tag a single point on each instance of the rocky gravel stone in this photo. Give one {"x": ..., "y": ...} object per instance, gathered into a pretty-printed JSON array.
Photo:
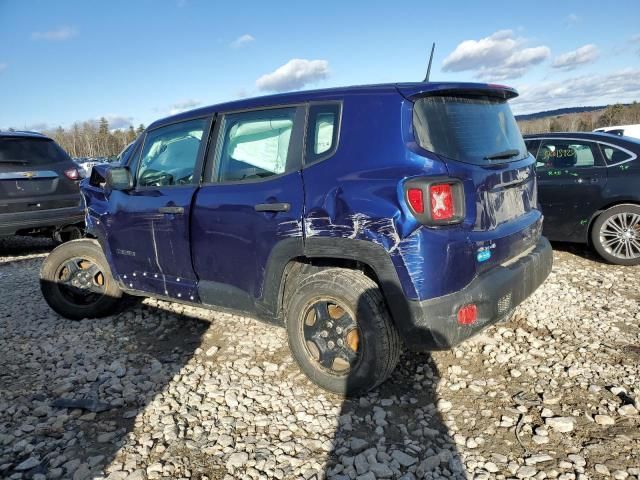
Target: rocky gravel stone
[{"x": 188, "y": 393}]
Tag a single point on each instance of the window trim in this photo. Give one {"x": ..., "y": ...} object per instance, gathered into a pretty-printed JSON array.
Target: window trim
[
  {"x": 307, "y": 134},
  {"x": 197, "y": 168},
  {"x": 211, "y": 164},
  {"x": 598, "y": 158},
  {"x": 599, "y": 142}
]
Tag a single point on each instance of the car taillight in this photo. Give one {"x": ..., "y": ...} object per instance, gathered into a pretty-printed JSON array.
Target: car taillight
[
  {"x": 468, "y": 314},
  {"x": 414, "y": 195},
  {"x": 441, "y": 201},
  {"x": 72, "y": 174},
  {"x": 435, "y": 200}
]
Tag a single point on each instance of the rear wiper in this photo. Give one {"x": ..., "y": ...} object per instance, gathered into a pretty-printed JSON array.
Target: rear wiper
[{"x": 504, "y": 154}]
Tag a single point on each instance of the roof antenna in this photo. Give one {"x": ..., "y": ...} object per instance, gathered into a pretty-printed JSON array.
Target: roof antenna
[{"x": 433, "y": 47}]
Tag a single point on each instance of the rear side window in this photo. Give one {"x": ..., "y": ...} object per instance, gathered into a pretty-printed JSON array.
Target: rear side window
[
  {"x": 472, "y": 129},
  {"x": 322, "y": 131},
  {"x": 614, "y": 155},
  {"x": 31, "y": 151},
  {"x": 567, "y": 154},
  {"x": 255, "y": 144}
]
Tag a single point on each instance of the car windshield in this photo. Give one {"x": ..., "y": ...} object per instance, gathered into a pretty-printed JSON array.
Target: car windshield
[
  {"x": 30, "y": 151},
  {"x": 472, "y": 129}
]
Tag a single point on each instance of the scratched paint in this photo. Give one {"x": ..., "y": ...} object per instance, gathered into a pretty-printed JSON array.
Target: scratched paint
[{"x": 405, "y": 252}]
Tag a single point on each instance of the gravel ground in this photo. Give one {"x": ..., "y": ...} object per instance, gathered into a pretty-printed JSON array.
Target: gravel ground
[{"x": 168, "y": 391}]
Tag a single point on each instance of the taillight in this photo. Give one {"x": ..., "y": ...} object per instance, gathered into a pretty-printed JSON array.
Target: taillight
[
  {"x": 435, "y": 200},
  {"x": 468, "y": 314},
  {"x": 414, "y": 196},
  {"x": 72, "y": 174},
  {"x": 441, "y": 201}
]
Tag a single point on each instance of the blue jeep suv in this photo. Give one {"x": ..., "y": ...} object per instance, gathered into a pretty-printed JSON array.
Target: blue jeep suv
[{"x": 364, "y": 219}]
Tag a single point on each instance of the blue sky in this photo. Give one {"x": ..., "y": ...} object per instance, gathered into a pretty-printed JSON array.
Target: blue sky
[{"x": 138, "y": 60}]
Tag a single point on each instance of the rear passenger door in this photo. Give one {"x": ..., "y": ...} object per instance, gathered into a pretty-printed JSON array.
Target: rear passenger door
[
  {"x": 250, "y": 206},
  {"x": 571, "y": 180}
]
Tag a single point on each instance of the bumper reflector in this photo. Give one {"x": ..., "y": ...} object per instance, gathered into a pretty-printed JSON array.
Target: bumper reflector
[{"x": 468, "y": 314}]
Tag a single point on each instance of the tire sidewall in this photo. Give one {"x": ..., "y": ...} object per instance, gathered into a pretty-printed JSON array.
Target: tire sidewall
[
  {"x": 90, "y": 250},
  {"x": 597, "y": 226},
  {"x": 365, "y": 373}
]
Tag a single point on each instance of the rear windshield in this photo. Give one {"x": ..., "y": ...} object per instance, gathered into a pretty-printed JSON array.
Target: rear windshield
[
  {"x": 472, "y": 129},
  {"x": 31, "y": 151}
]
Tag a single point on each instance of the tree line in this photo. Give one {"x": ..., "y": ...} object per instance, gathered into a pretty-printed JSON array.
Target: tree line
[
  {"x": 584, "y": 122},
  {"x": 94, "y": 139}
]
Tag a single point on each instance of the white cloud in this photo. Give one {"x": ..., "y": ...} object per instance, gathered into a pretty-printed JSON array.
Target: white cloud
[
  {"x": 622, "y": 86},
  {"x": 293, "y": 75},
  {"x": 572, "y": 19},
  {"x": 61, "y": 33},
  {"x": 570, "y": 60},
  {"x": 242, "y": 41},
  {"x": 499, "y": 56},
  {"x": 183, "y": 106}
]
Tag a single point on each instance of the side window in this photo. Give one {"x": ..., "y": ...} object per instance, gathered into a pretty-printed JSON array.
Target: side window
[
  {"x": 322, "y": 131},
  {"x": 566, "y": 154},
  {"x": 532, "y": 146},
  {"x": 254, "y": 144},
  {"x": 614, "y": 155},
  {"x": 170, "y": 153}
]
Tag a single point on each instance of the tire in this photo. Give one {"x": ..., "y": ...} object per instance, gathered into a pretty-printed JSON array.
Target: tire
[
  {"x": 76, "y": 302},
  {"x": 623, "y": 220},
  {"x": 376, "y": 341}
]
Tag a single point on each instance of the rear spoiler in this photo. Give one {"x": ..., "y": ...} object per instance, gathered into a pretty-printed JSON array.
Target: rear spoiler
[{"x": 411, "y": 91}]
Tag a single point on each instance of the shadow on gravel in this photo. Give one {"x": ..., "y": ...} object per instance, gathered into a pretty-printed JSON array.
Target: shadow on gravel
[
  {"x": 396, "y": 430},
  {"x": 580, "y": 249},
  {"x": 101, "y": 374}
]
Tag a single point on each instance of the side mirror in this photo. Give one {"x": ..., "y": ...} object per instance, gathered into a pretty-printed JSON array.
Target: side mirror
[{"x": 119, "y": 178}]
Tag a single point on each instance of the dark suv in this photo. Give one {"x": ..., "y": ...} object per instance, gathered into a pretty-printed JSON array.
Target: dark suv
[
  {"x": 39, "y": 188},
  {"x": 362, "y": 218}
]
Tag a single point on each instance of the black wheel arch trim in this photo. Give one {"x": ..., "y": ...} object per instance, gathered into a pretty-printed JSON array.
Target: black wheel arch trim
[{"x": 367, "y": 253}]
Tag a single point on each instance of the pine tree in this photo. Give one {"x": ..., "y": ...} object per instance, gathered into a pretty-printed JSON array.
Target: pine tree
[{"x": 140, "y": 129}]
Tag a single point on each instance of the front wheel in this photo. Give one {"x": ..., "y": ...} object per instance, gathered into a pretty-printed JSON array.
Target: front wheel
[
  {"x": 340, "y": 332},
  {"x": 76, "y": 282},
  {"x": 616, "y": 235}
]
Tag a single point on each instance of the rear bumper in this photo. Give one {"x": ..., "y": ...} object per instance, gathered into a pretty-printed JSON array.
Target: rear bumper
[
  {"x": 10, "y": 223},
  {"x": 432, "y": 324}
]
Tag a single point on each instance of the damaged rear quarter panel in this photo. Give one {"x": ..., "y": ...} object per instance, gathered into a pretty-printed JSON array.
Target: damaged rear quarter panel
[{"x": 357, "y": 193}]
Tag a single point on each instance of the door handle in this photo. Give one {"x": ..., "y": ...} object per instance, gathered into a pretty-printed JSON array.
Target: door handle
[
  {"x": 588, "y": 179},
  {"x": 272, "y": 207},
  {"x": 173, "y": 210}
]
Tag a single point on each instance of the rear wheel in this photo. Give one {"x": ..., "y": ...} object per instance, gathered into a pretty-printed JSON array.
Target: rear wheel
[
  {"x": 616, "y": 235},
  {"x": 340, "y": 331},
  {"x": 76, "y": 281}
]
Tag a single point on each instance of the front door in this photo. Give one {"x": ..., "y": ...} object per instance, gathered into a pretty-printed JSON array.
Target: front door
[
  {"x": 250, "y": 206},
  {"x": 150, "y": 240},
  {"x": 571, "y": 179}
]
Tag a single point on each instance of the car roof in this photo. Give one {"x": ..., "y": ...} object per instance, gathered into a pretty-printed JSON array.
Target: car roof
[
  {"x": 22, "y": 134},
  {"x": 590, "y": 136},
  {"x": 408, "y": 90},
  {"x": 595, "y": 136}
]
